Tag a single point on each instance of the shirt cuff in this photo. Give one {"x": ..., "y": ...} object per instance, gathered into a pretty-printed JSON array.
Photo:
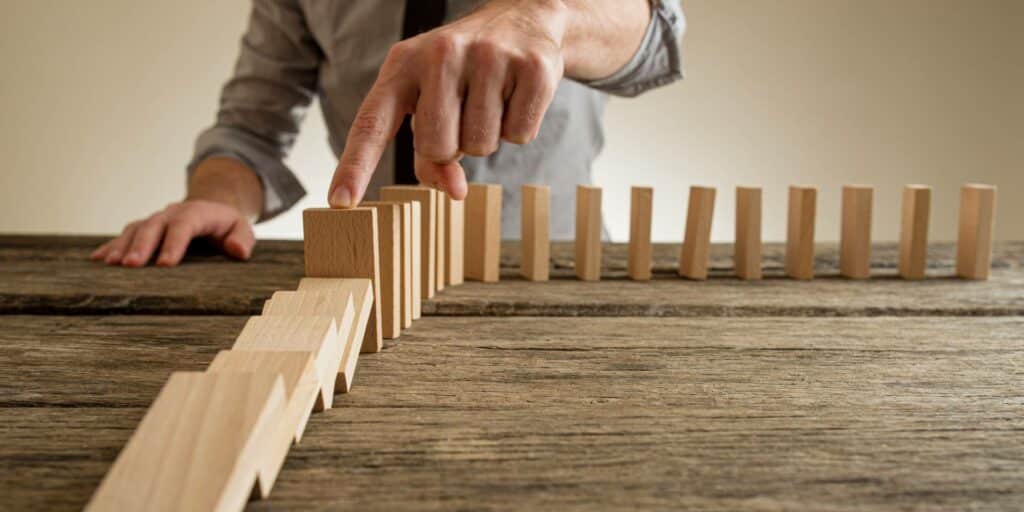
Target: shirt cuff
[
  {"x": 281, "y": 189},
  {"x": 657, "y": 62}
]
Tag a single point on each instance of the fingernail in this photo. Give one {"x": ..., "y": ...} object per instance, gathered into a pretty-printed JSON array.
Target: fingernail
[{"x": 340, "y": 198}]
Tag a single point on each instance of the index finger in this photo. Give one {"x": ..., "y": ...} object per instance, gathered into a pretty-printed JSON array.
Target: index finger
[{"x": 375, "y": 124}]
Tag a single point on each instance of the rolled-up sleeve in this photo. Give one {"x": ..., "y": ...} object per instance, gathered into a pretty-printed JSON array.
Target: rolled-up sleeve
[
  {"x": 658, "y": 61},
  {"x": 265, "y": 101}
]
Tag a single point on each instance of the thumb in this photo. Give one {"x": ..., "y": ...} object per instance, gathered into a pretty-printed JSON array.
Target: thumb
[{"x": 240, "y": 240}]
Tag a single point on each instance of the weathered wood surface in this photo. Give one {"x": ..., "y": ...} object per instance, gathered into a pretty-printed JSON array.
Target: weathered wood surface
[
  {"x": 51, "y": 275},
  {"x": 539, "y": 413}
]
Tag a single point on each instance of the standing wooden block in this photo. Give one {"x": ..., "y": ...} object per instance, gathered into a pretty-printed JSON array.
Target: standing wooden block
[
  {"x": 298, "y": 372},
  {"x": 455, "y": 246},
  {"x": 855, "y": 235},
  {"x": 747, "y": 257},
  {"x": 641, "y": 210},
  {"x": 417, "y": 259},
  {"x": 696, "y": 254},
  {"x": 441, "y": 224},
  {"x": 316, "y": 334},
  {"x": 389, "y": 225},
  {"x": 588, "y": 233},
  {"x": 199, "y": 446},
  {"x": 406, "y": 264},
  {"x": 345, "y": 243},
  {"x": 800, "y": 232},
  {"x": 977, "y": 225},
  {"x": 917, "y": 204},
  {"x": 483, "y": 233},
  {"x": 361, "y": 292},
  {"x": 536, "y": 238},
  {"x": 426, "y": 197}
]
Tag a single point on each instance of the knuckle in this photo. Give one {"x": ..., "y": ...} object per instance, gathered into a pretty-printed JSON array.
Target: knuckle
[
  {"x": 484, "y": 52},
  {"x": 444, "y": 46},
  {"x": 398, "y": 51},
  {"x": 535, "y": 62},
  {"x": 368, "y": 124}
]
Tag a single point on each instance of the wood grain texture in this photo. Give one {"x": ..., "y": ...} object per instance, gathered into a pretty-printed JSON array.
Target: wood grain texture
[
  {"x": 916, "y": 213},
  {"x": 588, "y": 233},
  {"x": 441, "y": 246},
  {"x": 800, "y": 232},
  {"x": 389, "y": 234},
  {"x": 535, "y": 262},
  {"x": 696, "y": 251},
  {"x": 747, "y": 253},
  {"x": 977, "y": 224},
  {"x": 455, "y": 248},
  {"x": 362, "y": 299},
  {"x": 606, "y": 413},
  {"x": 198, "y": 447},
  {"x": 345, "y": 244},
  {"x": 483, "y": 233},
  {"x": 428, "y": 230},
  {"x": 641, "y": 211},
  {"x": 855, "y": 232}
]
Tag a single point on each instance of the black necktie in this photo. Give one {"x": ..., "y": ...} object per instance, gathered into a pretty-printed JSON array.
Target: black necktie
[{"x": 420, "y": 16}]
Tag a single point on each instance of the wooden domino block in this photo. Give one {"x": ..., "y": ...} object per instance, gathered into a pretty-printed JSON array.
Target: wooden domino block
[
  {"x": 855, "y": 234},
  {"x": 389, "y": 226},
  {"x": 441, "y": 225},
  {"x": 455, "y": 212},
  {"x": 977, "y": 225},
  {"x": 917, "y": 204},
  {"x": 362, "y": 297},
  {"x": 800, "y": 232},
  {"x": 407, "y": 275},
  {"x": 199, "y": 446},
  {"x": 298, "y": 372},
  {"x": 345, "y": 243},
  {"x": 317, "y": 334},
  {"x": 483, "y": 233},
  {"x": 641, "y": 210},
  {"x": 417, "y": 259},
  {"x": 696, "y": 253},
  {"x": 588, "y": 233},
  {"x": 536, "y": 239},
  {"x": 747, "y": 256},
  {"x": 426, "y": 197}
]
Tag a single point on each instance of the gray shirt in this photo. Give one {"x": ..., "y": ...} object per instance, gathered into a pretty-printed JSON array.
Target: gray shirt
[{"x": 294, "y": 50}]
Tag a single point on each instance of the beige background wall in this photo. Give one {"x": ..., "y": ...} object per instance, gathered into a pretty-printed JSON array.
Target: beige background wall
[{"x": 101, "y": 101}]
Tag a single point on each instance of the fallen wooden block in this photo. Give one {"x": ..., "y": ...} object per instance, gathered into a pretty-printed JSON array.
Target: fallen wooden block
[
  {"x": 427, "y": 200},
  {"x": 362, "y": 298},
  {"x": 696, "y": 253},
  {"x": 455, "y": 214},
  {"x": 441, "y": 225},
  {"x": 917, "y": 200},
  {"x": 977, "y": 225},
  {"x": 199, "y": 446},
  {"x": 298, "y": 372},
  {"x": 312, "y": 332},
  {"x": 747, "y": 256},
  {"x": 800, "y": 232},
  {"x": 483, "y": 233},
  {"x": 389, "y": 226},
  {"x": 855, "y": 234},
  {"x": 536, "y": 241},
  {"x": 345, "y": 243},
  {"x": 641, "y": 210},
  {"x": 588, "y": 233}
]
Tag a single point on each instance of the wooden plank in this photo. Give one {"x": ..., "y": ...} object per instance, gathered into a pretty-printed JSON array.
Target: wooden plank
[
  {"x": 455, "y": 249},
  {"x": 696, "y": 252},
  {"x": 428, "y": 230},
  {"x": 917, "y": 200},
  {"x": 362, "y": 299},
  {"x": 199, "y": 446},
  {"x": 641, "y": 211},
  {"x": 441, "y": 246},
  {"x": 747, "y": 255},
  {"x": 881, "y": 403},
  {"x": 483, "y": 232},
  {"x": 977, "y": 225},
  {"x": 588, "y": 233},
  {"x": 344, "y": 244},
  {"x": 536, "y": 236},
  {"x": 855, "y": 232},
  {"x": 800, "y": 232},
  {"x": 281, "y": 328},
  {"x": 297, "y": 370},
  {"x": 389, "y": 232},
  {"x": 418, "y": 293}
]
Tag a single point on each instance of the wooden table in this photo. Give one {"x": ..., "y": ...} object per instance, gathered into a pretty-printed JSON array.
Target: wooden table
[{"x": 771, "y": 395}]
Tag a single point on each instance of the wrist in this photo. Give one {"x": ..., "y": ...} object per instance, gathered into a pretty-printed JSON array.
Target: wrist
[{"x": 227, "y": 181}]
